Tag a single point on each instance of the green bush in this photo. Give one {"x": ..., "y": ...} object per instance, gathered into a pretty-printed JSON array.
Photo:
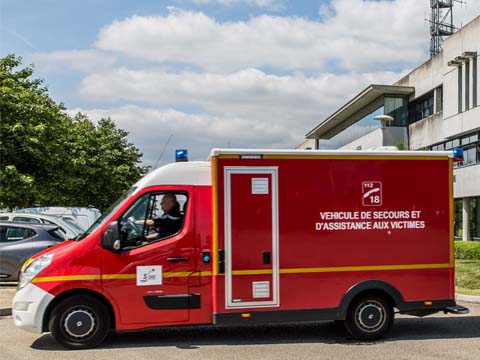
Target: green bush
[{"x": 467, "y": 250}]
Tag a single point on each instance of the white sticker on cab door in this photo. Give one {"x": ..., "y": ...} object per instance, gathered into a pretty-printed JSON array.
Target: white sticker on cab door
[{"x": 149, "y": 275}]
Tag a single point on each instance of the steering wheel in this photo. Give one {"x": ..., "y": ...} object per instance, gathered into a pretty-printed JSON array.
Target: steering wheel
[{"x": 131, "y": 229}]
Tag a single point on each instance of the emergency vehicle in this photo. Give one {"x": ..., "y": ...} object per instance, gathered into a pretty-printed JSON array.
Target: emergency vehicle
[{"x": 267, "y": 236}]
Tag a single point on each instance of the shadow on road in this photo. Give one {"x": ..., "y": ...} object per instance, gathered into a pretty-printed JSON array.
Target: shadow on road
[{"x": 189, "y": 338}]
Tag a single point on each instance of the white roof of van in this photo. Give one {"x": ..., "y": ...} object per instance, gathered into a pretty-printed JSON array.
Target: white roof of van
[
  {"x": 179, "y": 173},
  {"x": 382, "y": 151}
]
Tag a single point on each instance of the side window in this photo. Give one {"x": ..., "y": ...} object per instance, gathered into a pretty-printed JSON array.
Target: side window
[
  {"x": 29, "y": 233},
  {"x": 26, "y": 219},
  {"x": 153, "y": 217},
  {"x": 11, "y": 234},
  {"x": 58, "y": 234},
  {"x": 3, "y": 218}
]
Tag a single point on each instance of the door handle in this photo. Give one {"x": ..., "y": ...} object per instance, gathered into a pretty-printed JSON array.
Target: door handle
[
  {"x": 177, "y": 259},
  {"x": 266, "y": 258}
]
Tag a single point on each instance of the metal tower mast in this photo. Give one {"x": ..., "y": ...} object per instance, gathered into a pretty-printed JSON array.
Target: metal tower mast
[{"x": 441, "y": 24}]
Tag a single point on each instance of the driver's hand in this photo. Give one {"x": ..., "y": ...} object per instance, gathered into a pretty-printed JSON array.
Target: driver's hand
[{"x": 150, "y": 222}]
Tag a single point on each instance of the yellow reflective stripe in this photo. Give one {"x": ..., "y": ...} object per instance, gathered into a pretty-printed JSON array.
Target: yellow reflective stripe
[
  {"x": 452, "y": 214},
  {"x": 251, "y": 272},
  {"x": 228, "y": 156},
  {"x": 215, "y": 213},
  {"x": 118, "y": 276},
  {"x": 344, "y": 269},
  {"x": 364, "y": 268},
  {"x": 114, "y": 276},
  {"x": 66, "y": 278}
]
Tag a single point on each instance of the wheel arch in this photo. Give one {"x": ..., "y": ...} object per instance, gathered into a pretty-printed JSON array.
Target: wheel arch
[
  {"x": 377, "y": 287},
  {"x": 76, "y": 292}
]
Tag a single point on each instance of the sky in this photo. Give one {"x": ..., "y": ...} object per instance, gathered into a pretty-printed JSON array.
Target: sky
[{"x": 199, "y": 74}]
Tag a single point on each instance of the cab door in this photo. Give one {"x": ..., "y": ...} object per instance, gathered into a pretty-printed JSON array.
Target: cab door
[{"x": 149, "y": 280}]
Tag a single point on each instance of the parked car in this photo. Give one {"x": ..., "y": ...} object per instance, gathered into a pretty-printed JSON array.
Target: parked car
[
  {"x": 20, "y": 241},
  {"x": 71, "y": 229},
  {"x": 84, "y": 217}
]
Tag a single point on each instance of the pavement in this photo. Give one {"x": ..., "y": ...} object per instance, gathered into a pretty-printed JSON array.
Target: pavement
[{"x": 7, "y": 291}]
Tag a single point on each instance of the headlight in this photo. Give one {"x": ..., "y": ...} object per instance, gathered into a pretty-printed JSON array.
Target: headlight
[{"x": 33, "y": 269}]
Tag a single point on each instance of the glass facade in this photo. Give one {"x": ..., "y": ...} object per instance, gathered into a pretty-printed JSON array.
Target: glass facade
[
  {"x": 397, "y": 107},
  {"x": 422, "y": 108},
  {"x": 474, "y": 219},
  {"x": 362, "y": 127},
  {"x": 392, "y": 105},
  {"x": 469, "y": 143}
]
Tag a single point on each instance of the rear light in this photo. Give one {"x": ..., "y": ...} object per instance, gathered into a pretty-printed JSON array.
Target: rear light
[{"x": 457, "y": 154}]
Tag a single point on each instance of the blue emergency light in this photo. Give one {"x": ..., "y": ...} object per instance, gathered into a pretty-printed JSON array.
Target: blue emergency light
[
  {"x": 457, "y": 154},
  {"x": 181, "y": 155}
]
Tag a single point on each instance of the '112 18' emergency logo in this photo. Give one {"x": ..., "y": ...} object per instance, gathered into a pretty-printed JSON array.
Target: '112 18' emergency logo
[{"x": 372, "y": 193}]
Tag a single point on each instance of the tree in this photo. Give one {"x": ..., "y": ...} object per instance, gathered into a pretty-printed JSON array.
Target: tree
[{"x": 50, "y": 158}]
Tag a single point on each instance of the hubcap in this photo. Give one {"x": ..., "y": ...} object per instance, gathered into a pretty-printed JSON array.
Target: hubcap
[
  {"x": 370, "y": 316},
  {"x": 79, "y": 323}
]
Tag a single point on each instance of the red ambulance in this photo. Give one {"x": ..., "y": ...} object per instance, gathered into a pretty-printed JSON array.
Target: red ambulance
[{"x": 264, "y": 236}]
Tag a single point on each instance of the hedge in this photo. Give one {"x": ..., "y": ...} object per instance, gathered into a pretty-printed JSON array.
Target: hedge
[{"x": 467, "y": 250}]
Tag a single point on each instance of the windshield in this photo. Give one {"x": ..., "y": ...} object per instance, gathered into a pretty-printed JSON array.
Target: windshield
[{"x": 106, "y": 215}]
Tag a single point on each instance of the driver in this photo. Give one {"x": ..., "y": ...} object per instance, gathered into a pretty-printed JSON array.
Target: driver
[{"x": 171, "y": 220}]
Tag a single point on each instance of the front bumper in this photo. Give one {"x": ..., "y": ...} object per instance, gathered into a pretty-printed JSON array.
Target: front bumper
[{"x": 29, "y": 306}]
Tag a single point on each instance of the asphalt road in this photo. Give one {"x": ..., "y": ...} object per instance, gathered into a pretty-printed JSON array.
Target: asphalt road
[{"x": 434, "y": 337}]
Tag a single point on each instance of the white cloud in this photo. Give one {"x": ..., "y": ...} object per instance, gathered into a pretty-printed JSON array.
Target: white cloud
[
  {"x": 150, "y": 129},
  {"x": 248, "y": 93},
  {"x": 265, "y": 4},
  {"x": 244, "y": 109},
  {"x": 79, "y": 60},
  {"x": 360, "y": 36}
]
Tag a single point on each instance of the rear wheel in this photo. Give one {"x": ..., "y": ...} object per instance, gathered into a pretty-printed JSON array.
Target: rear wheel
[
  {"x": 80, "y": 322},
  {"x": 369, "y": 318}
]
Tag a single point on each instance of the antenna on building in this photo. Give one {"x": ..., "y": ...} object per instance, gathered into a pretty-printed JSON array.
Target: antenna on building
[{"x": 441, "y": 23}]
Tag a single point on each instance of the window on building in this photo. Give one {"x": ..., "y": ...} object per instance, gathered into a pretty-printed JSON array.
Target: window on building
[
  {"x": 460, "y": 100},
  {"x": 475, "y": 219},
  {"x": 475, "y": 82},
  {"x": 471, "y": 148},
  {"x": 397, "y": 107},
  {"x": 422, "y": 108},
  {"x": 439, "y": 99},
  {"x": 362, "y": 127},
  {"x": 467, "y": 85},
  {"x": 458, "y": 218}
]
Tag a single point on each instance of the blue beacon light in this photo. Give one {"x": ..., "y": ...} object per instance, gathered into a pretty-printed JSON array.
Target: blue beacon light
[
  {"x": 181, "y": 155},
  {"x": 457, "y": 154}
]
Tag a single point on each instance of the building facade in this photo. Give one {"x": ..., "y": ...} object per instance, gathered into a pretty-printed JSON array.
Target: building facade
[{"x": 435, "y": 107}]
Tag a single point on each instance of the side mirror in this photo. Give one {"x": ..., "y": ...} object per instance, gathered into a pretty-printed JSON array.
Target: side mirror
[{"x": 111, "y": 238}]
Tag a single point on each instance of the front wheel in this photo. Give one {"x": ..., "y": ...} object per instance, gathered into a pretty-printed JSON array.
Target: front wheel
[
  {"x": 369, "y": 318},
  {"x": 80, "y": 322}
]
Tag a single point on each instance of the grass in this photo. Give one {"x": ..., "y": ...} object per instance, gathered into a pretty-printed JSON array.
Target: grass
[{"x": 467, "y": 273}]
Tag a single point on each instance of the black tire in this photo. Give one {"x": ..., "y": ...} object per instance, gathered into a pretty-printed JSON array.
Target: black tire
[
  {"x": 80, "y": 322},
  {"x": 369, "y": 318}
]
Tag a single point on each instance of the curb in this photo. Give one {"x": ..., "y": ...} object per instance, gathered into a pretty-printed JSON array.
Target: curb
[
  {"x": 6, "y": 312},
  {"x": 468, "y": 298}
]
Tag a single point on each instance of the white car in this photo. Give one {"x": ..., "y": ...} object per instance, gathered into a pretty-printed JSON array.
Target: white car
[
  {"x": 83, "y": 217},
  {"x": 70, "y": 229}
]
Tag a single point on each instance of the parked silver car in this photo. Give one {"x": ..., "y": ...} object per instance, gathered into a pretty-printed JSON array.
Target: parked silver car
[
  {"x": 83, "y": 217},
  {"x": 71, "y": 229},
  {"x": 20, "y": 241}
]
